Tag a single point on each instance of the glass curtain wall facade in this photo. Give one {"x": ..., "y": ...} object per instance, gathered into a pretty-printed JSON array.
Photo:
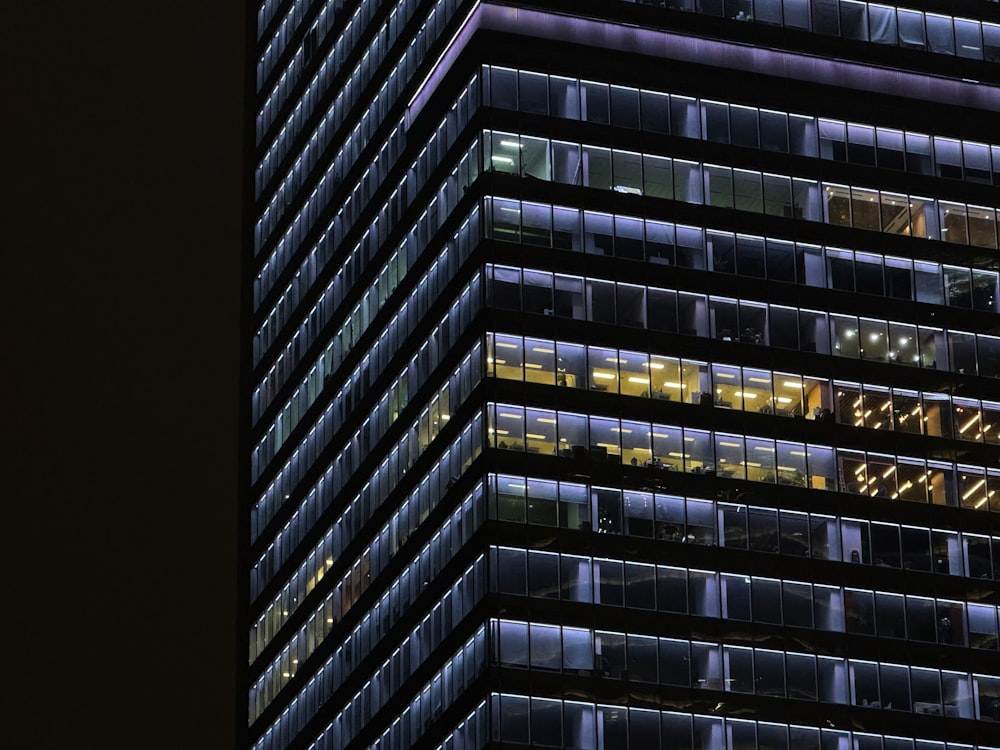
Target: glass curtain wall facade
[{"x": 623, "y": 375}]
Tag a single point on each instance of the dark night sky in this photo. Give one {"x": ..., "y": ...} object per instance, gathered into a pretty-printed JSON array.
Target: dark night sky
[{"x": 120, "y": 289}]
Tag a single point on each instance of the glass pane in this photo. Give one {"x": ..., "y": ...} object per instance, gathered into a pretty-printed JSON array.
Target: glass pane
[
  {"x": 536, "y": 224},
  {"x": 533, "y": 93},
  {"x": 777, "y": 195},
  {"x": 803, "y": 135},
  {"x": 760, "y": 460},
  {"x": 598, "y": 233},
  {"x": 660, "y": 247},
  {"x": 628, "y": 239},
  {"x": 940, "y": 36},
  {"x": 506, "y": 153},
  {"x": 968, "y": 39},
  {"x": 604, "y": 369},
  {"x": 757, "y": 394},
  {"x": 625, "y": 107},
  {"x": 911, "y": 28},
  {"x": 566, "y": 163},
  {"x": 743, "y": 121},
  {"x": 895, "y": 213},
  {"x": 566, "y": 229},
  {"x": 543, "y": 509},
  {"x": 861, "y": 144},
  {"x": 634, "y": 372},
  {"x": 564, "y": 97},
  {"x": 594, "y": 102},
  {"x": 750, "y": 257},
  {"x": 865, "y": 209},
  {"x": 918, "y": 153},
  {"x": 503, "y": 88},
  {"x": 982, "y": 227},
  {"x": 687, "y": 181},
  {"x": 715, "y": 121},
  {"x": 540, "y": 432},
  {"x": 657, "y": 177},
  {"x": 854, "y": 20},
  {"x": 655, "y": 112},
  {"x": 597, "y": 167},
  {"x": 685, "y": 119},
  {"x": 837, "y": 206},
  {"x": 627, "y": 172},
  {"x": 722, "y": 252},
  {"x": 882, "y": 24},
  {"x": 780, "y": 258},
  {"x": 719, "y": 186},
  {"x": 890, "y": 151},
  {"x": 747, "y": 190}
]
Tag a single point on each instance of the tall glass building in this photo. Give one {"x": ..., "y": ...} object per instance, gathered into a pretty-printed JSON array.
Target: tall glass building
[{"x": 624, "y": 375}]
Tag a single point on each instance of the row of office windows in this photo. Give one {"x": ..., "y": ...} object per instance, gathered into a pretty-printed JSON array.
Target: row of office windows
[
  {"x": 283, "y": 252},
  {"x": 454, "y": 459},
  {"x": 357, "y": 199},
  {"x": 419, "y": 368},
  {"x": 385, "y": 344},
  {"x": 384, "y": 412},
  {"x": 320, "y": 314},
  {"x": 426, "y": 291},
  {"x": 903, "y": 410},
  {"x": 746, "y": 321},
  {"x": 359, "y": 196},
  {"x": 299, "y": 112},
  {"x": 602, "y": 439},
  {"x": 428, "y": 491},
  {"x": 398, "y": 595},
  {"x": 659, "y": 176},
  {"x": 783, "y": 394},
  {"x": 352, "y": 209},
  {"x": 860, "y": 21},
  {"x": 269, "y": 9},
  {"x": 463, "y": 667},
  {"x": 738, "y": 596},
  {"x": 323, "y": 21},
  {"x": 633, "y": 238},
  {"x": 535, "y": 721},
  {"x": 283, "y": 197},
  {"x": 454, "y": 532},
  {"x": 355, "y": 263},
  {"x": 731, "y": 525},
  {"x": 425, "y": 427},
  {"x": 375, "y": 113},
  {"x": 741, "y": 669},
  {"x": 752, "y": 127},
  {"x": 356, "y": 323},
  {"x": 471, "y": 734},
  {"x": 282, "y": 35},
  {"x": 266, "y": 13},
  {"x": 446, "y": 686},
  {"x": 347, "y": 279},
  {"x": 354, "y": 582},
  {"x": 415, "y": 507},
  {"x": 352, "y": 263},
  {"x": 278, "y": 100}
]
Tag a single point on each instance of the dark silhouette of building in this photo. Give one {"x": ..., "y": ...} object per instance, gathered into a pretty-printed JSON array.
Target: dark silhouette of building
[{"x": 623, "y": 375}]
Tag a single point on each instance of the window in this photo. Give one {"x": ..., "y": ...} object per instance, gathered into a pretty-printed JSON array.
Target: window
[{"x": 594, "y": 104}]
